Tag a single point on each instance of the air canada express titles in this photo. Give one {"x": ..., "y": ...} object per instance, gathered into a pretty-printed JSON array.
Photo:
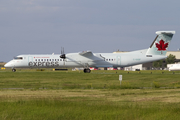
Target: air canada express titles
[{"x": 41, "y": 64}]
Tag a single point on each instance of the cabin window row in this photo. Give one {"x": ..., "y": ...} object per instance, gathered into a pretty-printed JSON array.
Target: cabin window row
[{"x": 47, "y": 60}]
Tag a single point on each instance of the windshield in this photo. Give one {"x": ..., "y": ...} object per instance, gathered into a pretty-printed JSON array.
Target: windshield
[{"x": 18, "y": 58}]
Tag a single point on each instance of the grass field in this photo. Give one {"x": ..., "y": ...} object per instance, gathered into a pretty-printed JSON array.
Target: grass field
[{"x": 74, "y": 95}]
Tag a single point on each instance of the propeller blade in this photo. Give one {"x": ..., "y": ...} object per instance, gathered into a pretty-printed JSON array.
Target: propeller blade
[
  {"x": 63, "y": 50},
  {"x": 63, "y": 55}
]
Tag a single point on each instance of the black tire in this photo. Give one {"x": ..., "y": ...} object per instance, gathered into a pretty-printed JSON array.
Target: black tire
[
  {"x": 87, "y": 70},
  {"x": 14, "y": 70}
]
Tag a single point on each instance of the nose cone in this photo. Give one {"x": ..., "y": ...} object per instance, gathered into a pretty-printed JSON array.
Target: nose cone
[{"x": 9, "y": 64}]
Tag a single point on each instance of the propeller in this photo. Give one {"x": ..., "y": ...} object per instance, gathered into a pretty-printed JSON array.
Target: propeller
[{"x": 63, "y": 55}]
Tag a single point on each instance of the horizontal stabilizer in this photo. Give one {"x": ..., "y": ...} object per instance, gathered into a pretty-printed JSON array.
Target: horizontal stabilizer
[{"x": 165, "y": 32}]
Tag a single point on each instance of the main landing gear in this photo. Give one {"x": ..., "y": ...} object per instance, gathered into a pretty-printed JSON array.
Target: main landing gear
[
  {"x": 87, "y": 70},
  {"x": 14, "y": 70}
]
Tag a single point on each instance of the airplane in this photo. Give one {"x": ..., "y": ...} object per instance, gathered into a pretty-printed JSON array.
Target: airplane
[{"x": 87, "y": 59}]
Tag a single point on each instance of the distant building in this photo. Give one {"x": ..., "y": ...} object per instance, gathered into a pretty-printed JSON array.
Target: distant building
[
  {"x": 175, "y": 53},
  {"x": 2, "y": 64},
  {"x": 134, "y": 68}
]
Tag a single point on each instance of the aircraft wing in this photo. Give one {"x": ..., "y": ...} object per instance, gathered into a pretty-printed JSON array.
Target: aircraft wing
[{"x": 86, "y": 53}]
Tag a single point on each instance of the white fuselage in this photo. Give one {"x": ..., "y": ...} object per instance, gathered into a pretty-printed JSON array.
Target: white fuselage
[{"x": 78, "y": 60}]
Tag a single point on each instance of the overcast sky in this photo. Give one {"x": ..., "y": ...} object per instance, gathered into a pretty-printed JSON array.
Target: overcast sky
[{"x": 44, "y": 26}]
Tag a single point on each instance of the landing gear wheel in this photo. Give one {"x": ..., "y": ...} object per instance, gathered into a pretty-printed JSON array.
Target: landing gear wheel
[
  {"x": 87, "y": 70},
  {"x": 14, "y": 70}
]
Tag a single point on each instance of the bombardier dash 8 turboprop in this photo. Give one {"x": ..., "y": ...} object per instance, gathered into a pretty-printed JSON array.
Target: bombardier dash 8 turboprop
[{"x": 86, "y": 59}]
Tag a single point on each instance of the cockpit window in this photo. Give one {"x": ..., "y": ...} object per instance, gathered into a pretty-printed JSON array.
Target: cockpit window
[{"x": 18, "y": 58}]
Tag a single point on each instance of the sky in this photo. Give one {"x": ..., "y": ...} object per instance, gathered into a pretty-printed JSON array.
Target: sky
[{"x": 102, "y": 26}]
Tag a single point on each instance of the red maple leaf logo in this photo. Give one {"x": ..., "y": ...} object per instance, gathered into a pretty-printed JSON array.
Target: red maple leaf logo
[{"x": 161, "y": 45}]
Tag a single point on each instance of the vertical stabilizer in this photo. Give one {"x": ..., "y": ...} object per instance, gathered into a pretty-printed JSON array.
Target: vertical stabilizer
[{"x": 161, "y": 43}]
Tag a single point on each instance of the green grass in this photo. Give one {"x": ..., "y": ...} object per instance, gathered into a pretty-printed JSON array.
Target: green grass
[
  {"x": 95, "y": 80},
  {"x": 43, "y": 95},
  {"x": 63, "y": 109},
  {"x": 90, "y": 104}
]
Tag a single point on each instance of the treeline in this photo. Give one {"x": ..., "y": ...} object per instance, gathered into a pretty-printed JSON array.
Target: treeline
[{"x": 171, "y": 59}]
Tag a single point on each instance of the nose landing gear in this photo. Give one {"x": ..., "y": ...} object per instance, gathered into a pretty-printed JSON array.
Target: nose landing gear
[
  {"x": 14, "y": 70},
  {"x": 87, "y": 70}
]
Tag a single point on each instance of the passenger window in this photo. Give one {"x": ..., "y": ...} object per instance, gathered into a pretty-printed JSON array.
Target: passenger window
[
  {"x": 38, "y": 59},
  {"x": 41, "y": 59},
  {"x": 44, "y": 59}
]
